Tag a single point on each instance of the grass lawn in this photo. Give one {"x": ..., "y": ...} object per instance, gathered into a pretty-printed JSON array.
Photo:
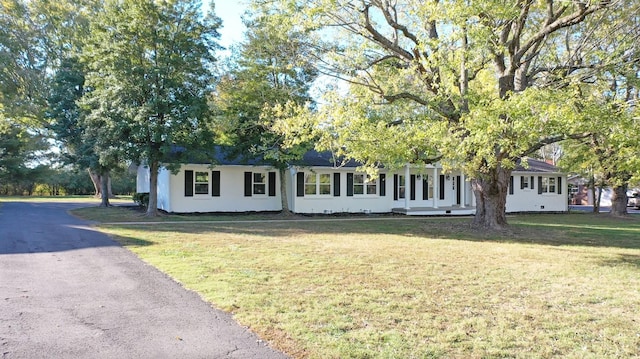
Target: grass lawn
[{"x": 397, "y": 287}]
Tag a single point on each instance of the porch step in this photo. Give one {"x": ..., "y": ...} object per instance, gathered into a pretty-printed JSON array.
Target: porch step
[{"x": 440, "y": 211}]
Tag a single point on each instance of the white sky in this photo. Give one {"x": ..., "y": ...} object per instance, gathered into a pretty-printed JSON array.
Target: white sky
[{"x": 230, "y": 11}]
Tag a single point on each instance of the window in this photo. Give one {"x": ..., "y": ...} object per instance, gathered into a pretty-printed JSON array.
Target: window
[
  {"x": 363, "y": 184},
  {"x": 201, "y": 183},
  {"x": 427, "y": 187},
  {"x": 548, "y": 185},
  {"x": 401, "y": 187},
  {"x": 524, "y": 182},
  {"x": 324, "y": 183},
  {"x": 310, "y": 183},
  {"x": 317, "y": 183},
  {"x": 259, "y": 183}
]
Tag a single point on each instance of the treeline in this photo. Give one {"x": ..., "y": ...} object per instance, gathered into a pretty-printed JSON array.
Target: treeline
[{"x": 46, "y": 181}]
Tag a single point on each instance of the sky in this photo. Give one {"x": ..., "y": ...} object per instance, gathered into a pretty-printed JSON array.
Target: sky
[{"x": 230, "y": 11}]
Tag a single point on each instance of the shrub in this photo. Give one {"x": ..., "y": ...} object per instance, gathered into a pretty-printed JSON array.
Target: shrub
[{"x": 142, "y": 199}]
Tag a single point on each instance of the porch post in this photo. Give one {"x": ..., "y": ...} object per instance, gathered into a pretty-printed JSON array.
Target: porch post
[
  {"x": 463, "y": 190},
  {"x": 407, "y": 184},
  {"x": 436, "y": 186}
]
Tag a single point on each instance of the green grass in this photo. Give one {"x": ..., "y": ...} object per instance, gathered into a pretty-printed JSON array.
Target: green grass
[{"x": 551, "y": 286}]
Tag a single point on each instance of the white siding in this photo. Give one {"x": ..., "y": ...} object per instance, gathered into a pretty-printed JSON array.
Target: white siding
[
  {"x": 231, "y": 199},
  {"x": 142, "y": 179},
  {"x": 328, "y": 203},
  {"x": 529, "y": 200}
]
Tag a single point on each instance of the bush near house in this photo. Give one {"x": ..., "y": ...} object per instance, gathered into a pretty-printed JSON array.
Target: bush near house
[{"x": 141, "y": 199}]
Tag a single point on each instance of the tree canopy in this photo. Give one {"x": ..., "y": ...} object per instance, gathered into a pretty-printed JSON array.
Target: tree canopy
[
  {"x": 149, "y": 75},
  {"x": 476, "y": 85}
]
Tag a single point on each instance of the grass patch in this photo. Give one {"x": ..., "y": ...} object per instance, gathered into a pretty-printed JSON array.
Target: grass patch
[{"x": 552, "y": 286}]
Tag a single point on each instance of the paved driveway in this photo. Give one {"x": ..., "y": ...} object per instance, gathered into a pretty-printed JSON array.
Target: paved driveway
[{"x": 67, "y": 291}]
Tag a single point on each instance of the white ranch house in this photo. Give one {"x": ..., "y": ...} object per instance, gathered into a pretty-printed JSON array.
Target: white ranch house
[{"x": 318, "y": 186}]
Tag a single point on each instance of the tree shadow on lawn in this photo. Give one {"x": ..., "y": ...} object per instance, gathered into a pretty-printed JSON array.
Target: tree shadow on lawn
[
  {"x": 590, "y": 230},
  {"x": 555, "y": 230},
  {"x": 623, "y": 260}
]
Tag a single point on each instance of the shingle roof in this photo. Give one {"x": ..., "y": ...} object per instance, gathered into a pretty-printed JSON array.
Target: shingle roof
[
  {"x": 324, "y": 159},
  {"x": 536, "y": 166},
  {"x": 224, "y": 155}
]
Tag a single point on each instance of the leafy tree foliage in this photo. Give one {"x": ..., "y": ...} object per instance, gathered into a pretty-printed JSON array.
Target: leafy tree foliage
[
  {"x": 475, "y": 84},
  {"x": 268, "y": 74},
  {"x": 149, "y": 74},
  {"x": 19, "y": 149}
]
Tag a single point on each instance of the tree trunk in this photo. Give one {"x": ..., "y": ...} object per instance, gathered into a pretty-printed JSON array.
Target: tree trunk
[
  {"x": 597, "y": 199},
  {"x": 491, "y": 199},
  {"x": 104, "y": 192},
  {"x": 152, "y": 208},
  {"x": 95, "y": 179},
  {"x": 283, "y": 191},
  {"x": 619, "y": 201},
  {"x": 109, "y": 189}
]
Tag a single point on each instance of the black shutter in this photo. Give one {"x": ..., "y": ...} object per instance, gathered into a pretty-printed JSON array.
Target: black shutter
[
  {"x": 188, "y": 183},
  {"x": 272, "y": 184},
  {"x": 458, "y": 189},
  {"x": 383, "y": 185},
  {"x": 349, "y": 184},
  {"x": 521, "y": 182},
  {"x": 215, "y": 183},
  {"x": 336, "y": 184},
  {"x": 412, "y": 187},
  {"x": 395, "y": 187},
  {"x": 532, "y": 180},
  {"x": 559, "y": 185},
  {"x": 539, "y": 185},
  {"x": 425, "y": 188},
  {"x": 441, "y": 186},
  {"x": 511, "y": 185},
  {"x": 248, "y": 184},
  {"x": 300, "y": 184}
]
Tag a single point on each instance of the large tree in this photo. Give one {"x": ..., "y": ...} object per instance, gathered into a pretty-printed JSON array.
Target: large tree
[
  {"x": 23, "y": 64},
  {"x": 267, "y": 73},
  {"x": 475, "y": 84},
  {"x": 149, "y": 74}
]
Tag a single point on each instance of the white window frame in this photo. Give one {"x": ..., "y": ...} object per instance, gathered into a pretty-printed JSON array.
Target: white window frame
[
  {"x": 549, "y": 185},
  {"x": 317, "y": 184},
  {"x": 402, "y": 190},
  {"x": 368, "y": 186},
  {"x": 525, "y": 181},
  {"x": 259, "y": 188},
  {"x": 201, "y": 184}
]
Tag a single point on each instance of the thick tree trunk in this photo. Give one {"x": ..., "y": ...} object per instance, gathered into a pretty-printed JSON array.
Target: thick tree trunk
[
  {"x": 619, "y": 201},
  {"x": 96, "y": 179},
  {"x": 491, "y": 199},
  {"x": 104, "y": 191},
  {"x": 152, "y": 209},
  {"x": 109, "y": 189},
  {"x": 283, "y": 191}
]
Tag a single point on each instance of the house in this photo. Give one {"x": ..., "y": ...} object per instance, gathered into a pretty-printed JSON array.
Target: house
[{"x": 316, "y": 185}]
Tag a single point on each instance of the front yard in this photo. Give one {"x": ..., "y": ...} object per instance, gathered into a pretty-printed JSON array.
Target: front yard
[{"x": 397, "y": 287}]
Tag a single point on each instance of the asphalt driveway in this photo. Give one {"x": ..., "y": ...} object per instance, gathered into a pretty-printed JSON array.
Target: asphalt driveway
[{"x": 67, "y": 291}]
